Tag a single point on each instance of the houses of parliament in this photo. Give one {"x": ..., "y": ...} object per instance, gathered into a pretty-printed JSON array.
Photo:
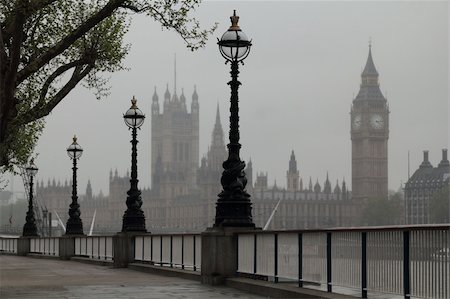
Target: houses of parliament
[{"x": 184, "y": 187}]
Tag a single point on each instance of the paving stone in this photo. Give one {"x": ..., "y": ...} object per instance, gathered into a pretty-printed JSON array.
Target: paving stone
[{"x": 31, "y": 278}]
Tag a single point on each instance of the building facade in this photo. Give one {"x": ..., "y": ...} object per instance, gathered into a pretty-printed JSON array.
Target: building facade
[
  {"x": 422, "y": 186},
  {"x": 184, "y": 190},
  {"x": 369, "y": 135}
]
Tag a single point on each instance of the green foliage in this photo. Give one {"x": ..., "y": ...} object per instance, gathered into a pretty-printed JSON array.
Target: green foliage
[
  {"x": 439, "y": 208},
  {"x": 47, "y": 47},
  {"x": 383, "y": 211}
]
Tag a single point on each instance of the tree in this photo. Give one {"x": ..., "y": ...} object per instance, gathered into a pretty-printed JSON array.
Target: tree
[
  {"x": 439, "y": 208},
  {"x": 383, "y": 211},
  {"x": 47, "y": 47}
]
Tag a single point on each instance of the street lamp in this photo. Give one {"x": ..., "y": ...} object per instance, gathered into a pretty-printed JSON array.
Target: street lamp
[
  {"x": 234, "y": 208},
  {"x": 30, "y": 229},
  {"x": 134, "y": 218},
  {"x": 74, "y": 225}
]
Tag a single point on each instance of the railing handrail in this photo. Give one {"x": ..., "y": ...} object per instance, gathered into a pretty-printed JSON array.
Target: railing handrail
[{"x": 445, "y": 226}]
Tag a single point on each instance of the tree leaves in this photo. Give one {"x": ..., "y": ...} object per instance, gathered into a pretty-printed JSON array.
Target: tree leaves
[{"x": 47, "y": 47}]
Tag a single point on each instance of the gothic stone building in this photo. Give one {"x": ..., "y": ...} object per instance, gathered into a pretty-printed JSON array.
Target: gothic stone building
[
  {"x": 422, "y": 185},
  {"x": 184, "y": 193},
  {"x": 369, "y": 135}
]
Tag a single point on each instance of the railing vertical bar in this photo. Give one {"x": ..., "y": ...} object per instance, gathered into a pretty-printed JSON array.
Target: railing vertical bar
[
  {"x": 195, "y": 267},
  {"x": 255, "y": 243},
  {"x": 364, "y": 264},
  {"x": 329, "y": 288},
  {"x": 143, "y": 247},
  {"x": 406, "y": 269},
  {"x": 161, "y": 250},
  {"x": 98, "y": 247},
  {"x": 276, "y": 257},
  {"x": 151, "y": 249},
  {"x": 300, "y": 260},
  {"x": 106, "y": 248},
  {"x": 182, "y": 252},
  {"x": 171, "y": 251}
]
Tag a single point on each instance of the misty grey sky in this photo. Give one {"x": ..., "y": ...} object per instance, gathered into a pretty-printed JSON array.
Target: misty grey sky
[{"x": 297, "y": 87}]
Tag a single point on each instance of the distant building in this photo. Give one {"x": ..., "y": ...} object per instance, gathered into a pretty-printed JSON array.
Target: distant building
[
  {"x": 423, "y": 184},
  {"x": 184, "y": 192},
  {"x": 369, "y": 134}
]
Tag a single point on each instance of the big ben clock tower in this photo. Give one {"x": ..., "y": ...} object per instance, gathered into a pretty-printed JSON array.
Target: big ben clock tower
[{"x": 369, "y": 134}]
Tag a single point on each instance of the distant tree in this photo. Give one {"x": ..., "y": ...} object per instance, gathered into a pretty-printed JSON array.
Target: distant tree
[
  {"x": 383, "y": 211},
  {"x": 439, "y": 208},
  {"x": 47, "y": 47}
]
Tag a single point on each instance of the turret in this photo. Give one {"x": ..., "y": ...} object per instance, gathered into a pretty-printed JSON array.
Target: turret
[
  {"x": 166, "y": 98},
  {"x": 194, "y": 105},
  {"x": 183, "y": 100},
  {"x": 444, "y": 162},
  {"x": 155, "y": 103},
  {"x": 317, "y": 187},
  {"x": 217, "y": 135},
  {"x": 310, "y": 187},
  {"x": 337, "y": 189},
  {"x": 327, "y": 186},
  {"x": 292, "y": 175},
  {"x": 344, "y": 187},
  {"x": 89, "y": 190},
  {"x": 425, "y": 163}
]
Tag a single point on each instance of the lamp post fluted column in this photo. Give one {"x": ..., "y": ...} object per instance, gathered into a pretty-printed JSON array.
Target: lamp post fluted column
[
  {"x": 74, "y": 224},
  {"x": 134, "y": 218},
  {"x": 234, "y": 207},
  {"x": 30, "y": 229}
]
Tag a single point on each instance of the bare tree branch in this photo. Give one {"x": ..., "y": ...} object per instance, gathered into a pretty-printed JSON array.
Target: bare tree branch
[
  {"x": 38, "y": 112},
  {"x": 68, "y": 40},
  {"x": 59, "y": 71}
]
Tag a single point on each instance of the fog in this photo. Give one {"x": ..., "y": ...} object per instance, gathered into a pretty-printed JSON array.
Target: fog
[{"x": 297, "y": 88}]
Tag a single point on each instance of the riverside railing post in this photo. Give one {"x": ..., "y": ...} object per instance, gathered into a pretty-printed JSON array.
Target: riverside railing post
[
  {"x": 255, "y": 246},
  {"x": 182, "y": 252},
  {"x": 329, "y": 288},
  {"x": 406, "y": 269},
  {"x": 300, "y": 260},
  {"x": 364, "y": 265},
  {"x": 276, "y": 257}
]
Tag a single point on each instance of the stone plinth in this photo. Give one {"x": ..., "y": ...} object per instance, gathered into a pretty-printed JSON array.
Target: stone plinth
[
  {"x": 23, "y": 246},
  {"x": 219, "y": 254},
  {"x": 66, "y": 247}
]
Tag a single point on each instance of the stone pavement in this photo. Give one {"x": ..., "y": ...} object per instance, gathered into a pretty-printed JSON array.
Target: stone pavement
[{"x": 24, "y": 277}]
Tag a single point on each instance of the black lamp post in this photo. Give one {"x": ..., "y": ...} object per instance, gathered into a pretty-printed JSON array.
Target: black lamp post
[
  {"x": 234, "y": 208},
  {"x": 74, "y": 225},
  {"x": 134, "y": 218},
  {"x": 30, "y": 229}
]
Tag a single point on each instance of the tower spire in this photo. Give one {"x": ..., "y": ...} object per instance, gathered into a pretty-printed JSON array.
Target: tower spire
[
  {"x": 218, "y": 116},
  {"x": 369, "y": 69},
  {"x": 175, "y": 73}
]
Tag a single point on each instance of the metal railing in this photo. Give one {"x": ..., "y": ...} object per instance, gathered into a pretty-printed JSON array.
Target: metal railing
[
  {"x": 45, "y": 246},
  {"x": 8, "y": 245},
  {"x": 176, "y": 251},
  {"x": 95, "y": 247},
  {"x": 408, "y": 261}
]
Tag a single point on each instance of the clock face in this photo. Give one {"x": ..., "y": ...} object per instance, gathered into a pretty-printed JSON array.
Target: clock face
[
  {"x": 377, "y": 121},
  {"x": 357, "y": 121}
]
